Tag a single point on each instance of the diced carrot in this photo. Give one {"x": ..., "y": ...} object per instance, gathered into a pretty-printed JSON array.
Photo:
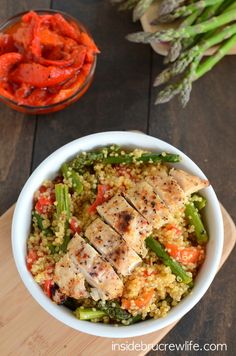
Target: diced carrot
[
  {"x": 186, "y": 255},
  {"x": 141, "y": 301},
  {"x": 169, "y": 227}
]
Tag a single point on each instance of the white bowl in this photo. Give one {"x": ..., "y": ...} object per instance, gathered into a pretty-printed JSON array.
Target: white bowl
[{"x": 49, "y": 168}]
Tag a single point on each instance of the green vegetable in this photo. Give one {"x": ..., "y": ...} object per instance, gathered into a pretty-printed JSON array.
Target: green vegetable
[
  {"x": 187, "y": 10},
  {"x": 39, "y": 220},
  {"x": 189, "y": 56},
  {"x": 198, "y": 201},
  {"x": 115, "y": 312},
  {"x": 198, "y": 21},
  {"x": 210, "y": 62},
  {"x": 88, "y": 313},
  {"x": 127, "y": 5},
  {"x": 167, "y": 6},
  {"x": 145, "y": 158},
  {"x": 63, "y": 210},
  {"x": 113, "y": 155},
  {"x": 68, "y": 173},
  {"x": 194, "y": 219},
  {"x": 141, "y": 8},
  {"x": 185, "y": 32},
  {"x": 175, "y": 267}
]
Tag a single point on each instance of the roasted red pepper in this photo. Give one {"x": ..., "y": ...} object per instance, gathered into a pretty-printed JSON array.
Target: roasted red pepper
[
  {"x": 44, "y": 58},
  {"x": 100, "y": 198}
]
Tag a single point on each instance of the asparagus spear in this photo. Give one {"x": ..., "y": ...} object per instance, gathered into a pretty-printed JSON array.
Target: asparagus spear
[
  {"x": 167, "y": 6},
  {"x": 145, "y": 157},
  {"x": 63, "y": 210},
  {"x": 194, "y": 218},
  {"x": 128, "y": 5},
  {"x": 114, "y": 311},
  {"x": 198, "y": 201},
  {"x": 186, "y": 32},
  {"x": 141, "y": 8},
  {"x": 188, "y": 56},
  {"x": 114, "y": 157},
  {"x": 210, "y": 62},
  {"x": 89, "y": 313},
  {"x": 187, "y": 10},
  {"x": 39, "y": 221},
  {"x": 68, "y": 173},
  {"x": 175, "y": 267}
]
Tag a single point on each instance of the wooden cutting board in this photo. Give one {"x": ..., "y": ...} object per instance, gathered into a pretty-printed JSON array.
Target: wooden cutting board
[{"x": 26, "y": 329}]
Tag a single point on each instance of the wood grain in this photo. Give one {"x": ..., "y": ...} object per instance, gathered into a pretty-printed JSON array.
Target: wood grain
[
  {"x": 115, "y": 100},
  {"x": 205, "y": 130},
  {"x": 22, "y": 334},
  {"x": 16, "y": 130}
]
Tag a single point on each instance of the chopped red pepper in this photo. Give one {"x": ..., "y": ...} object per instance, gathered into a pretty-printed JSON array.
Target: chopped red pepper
[
  {"x": 102, "y": 189},
  {"x": 74, "y": 225},
  {"x": 42, "y": 204},
  {"x": 31, "y": 258},
  {"x": 47, "y": 287}
]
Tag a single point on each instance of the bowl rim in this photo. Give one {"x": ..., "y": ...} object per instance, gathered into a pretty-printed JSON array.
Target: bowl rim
[
  {"x": 4, "y": 24},
  {"x": 65, "y": 316}
]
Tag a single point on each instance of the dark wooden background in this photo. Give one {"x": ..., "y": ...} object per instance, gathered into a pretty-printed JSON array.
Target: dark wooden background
[{"x": 121, "y": 98}]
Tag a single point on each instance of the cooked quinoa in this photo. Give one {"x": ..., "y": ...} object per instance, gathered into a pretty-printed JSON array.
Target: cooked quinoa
[{"x": 65, "y": 208}]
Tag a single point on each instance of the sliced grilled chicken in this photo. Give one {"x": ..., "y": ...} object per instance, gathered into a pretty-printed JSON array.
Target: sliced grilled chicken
[
  {"x": 148, "y": 203},
  {"x": 127, "y": 222},
  {"x": 97, "y": 272},
  {"x": 69, "y": 278},
  {"x": 188, "y": 182},
  {"x": 112, "y": 246},
  {"x": 169, "y": 190}
]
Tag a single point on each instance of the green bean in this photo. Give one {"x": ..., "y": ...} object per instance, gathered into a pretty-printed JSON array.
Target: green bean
[
  {"x": 175, "y": 267},
  {"x": 88, "y": 313},
  {"x": 194, "y": 219}
]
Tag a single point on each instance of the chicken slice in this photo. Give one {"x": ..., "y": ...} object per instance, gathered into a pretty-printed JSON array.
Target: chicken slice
[
  {"x": 112, "y": 246},
  {"x": 97, "y": 272},
  {"x": 69, "y": 278},
  {"x": 188, "y": 182},
  {"x": 149, "y": 204},
  {"x": 169, "y": 191},
  {"x": 127, "y": 222}
]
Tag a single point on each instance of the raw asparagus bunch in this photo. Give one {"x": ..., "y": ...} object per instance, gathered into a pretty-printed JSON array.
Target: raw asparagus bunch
[
  {"x": 196, "y": 26},
  {"x": 139, "y": 7}
]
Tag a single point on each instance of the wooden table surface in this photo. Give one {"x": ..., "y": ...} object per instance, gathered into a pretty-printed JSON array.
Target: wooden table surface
[{"x": 121, "y": 98}]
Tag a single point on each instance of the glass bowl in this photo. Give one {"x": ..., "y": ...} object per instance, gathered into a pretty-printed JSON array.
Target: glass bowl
[{"x": 50, "y": 108}]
